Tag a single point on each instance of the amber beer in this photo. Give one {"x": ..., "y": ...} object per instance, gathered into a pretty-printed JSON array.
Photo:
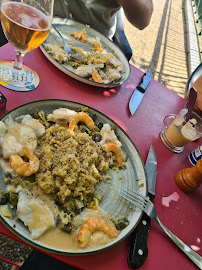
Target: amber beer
[{"x": 25, "y": 27}]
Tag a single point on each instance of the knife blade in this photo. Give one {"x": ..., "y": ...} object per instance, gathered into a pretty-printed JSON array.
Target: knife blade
[
  {"x": 138, "y": 250},
  {"x": 139, "y": 92}
]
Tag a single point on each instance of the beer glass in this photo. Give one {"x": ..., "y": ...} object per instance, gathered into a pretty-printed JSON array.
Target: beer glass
[{"x": 26, "y": 24}]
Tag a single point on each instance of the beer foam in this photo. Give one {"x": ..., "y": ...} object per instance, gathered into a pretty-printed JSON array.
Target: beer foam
[
  {"x": 29, "y": 22},
  {"x": 26, "y": 16}
]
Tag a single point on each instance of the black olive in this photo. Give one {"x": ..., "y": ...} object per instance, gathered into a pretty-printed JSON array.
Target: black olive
[
  {"x": 122, "y": 224},
  {"x": 84, "y": 129},
  {"x": 3, "y": 200},
  {"x": 67, "y": 228},
  {"x": 7, "y": 195},
  {"x": 100, "y": 125},
  {"x": 97, "y": 137}
]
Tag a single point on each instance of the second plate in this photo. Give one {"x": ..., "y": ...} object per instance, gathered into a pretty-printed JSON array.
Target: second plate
[{"x": 65, "y": 27}]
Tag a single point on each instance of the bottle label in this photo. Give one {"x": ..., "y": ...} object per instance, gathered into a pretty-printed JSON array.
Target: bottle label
[{"x": 195, "y": 155}]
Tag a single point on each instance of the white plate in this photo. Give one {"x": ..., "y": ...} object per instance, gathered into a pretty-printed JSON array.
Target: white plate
[
  {"x": 111, "y": 202},
  {"x": 65, "y": 27}
]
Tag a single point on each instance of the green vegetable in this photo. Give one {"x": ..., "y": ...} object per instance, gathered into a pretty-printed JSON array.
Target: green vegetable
[
  {"x": 13, "y": 199},
  {"x": 121, "y": 224},
  {"x": 5, "y": 211}
]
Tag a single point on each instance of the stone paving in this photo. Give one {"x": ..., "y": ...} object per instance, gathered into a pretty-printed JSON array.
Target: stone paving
[{"x": 161, "y": 48}]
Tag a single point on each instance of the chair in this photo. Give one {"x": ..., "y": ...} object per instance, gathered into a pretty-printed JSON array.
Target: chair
[{"x": 120, "y": 38}]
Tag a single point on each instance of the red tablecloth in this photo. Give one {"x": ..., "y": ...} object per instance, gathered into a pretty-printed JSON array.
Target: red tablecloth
[{"x": 183, "y": 217}]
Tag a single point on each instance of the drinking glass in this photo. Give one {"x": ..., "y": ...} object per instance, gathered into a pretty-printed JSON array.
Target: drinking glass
[
  {"x": 179, "y": 133},
  {"x": 26, "y": 24}
]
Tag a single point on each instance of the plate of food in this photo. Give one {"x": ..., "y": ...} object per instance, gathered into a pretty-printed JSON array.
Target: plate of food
[
  {"x": 102, "y": 63},
  {"x": 63, "y": 166}
]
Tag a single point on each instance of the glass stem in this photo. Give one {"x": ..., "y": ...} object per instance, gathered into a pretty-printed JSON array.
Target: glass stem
[{"x": 18, "y": 60}]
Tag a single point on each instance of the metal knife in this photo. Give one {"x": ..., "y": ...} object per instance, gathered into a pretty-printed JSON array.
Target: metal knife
[
  {"x": 139, "y": 92},
  {"x": 138, "y": 250}
]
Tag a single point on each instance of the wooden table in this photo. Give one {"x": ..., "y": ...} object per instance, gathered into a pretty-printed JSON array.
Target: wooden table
[{"x": 184, "y": 216}]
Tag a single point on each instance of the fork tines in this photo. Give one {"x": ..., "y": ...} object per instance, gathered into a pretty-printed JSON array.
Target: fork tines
[{"x": 134, "y": 197}]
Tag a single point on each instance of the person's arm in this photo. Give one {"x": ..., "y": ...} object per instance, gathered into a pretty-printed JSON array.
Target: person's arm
[{"x": 138, "y": 12}]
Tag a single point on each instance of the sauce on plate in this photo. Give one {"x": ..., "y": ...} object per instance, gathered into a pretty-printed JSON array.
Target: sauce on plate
[{"x": 67, "y": 241}]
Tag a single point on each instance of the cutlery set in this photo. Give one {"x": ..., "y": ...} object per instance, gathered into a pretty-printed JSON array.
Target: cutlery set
[{"x": 138, "y": 250}]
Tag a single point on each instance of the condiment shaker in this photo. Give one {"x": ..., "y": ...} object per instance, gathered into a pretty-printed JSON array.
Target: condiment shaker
[{"x": 189, "y": 179}]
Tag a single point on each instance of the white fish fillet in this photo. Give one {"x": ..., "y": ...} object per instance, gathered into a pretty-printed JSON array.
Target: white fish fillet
[
  {"x": 23, "y": 210},
  {"x": 61, "y": 114},
  {"x": 37, "y": 216},
  {"x": 10, "y": 146},
  {"x": 108, "y": 136},
  {"x": 34, "y": 124}
]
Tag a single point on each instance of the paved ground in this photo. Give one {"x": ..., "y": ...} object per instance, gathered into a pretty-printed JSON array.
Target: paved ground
[
  {"x": 13, "y": 251},
  {"x": 161, "y": 49}
]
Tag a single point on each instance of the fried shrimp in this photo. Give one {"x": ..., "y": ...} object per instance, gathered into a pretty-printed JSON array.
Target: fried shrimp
[
  {"x": 111, "y": 147},
  {"x": 98, "y": 46},
  {"x": 96, "y": 77},
  {"x": 81, "y": 117},
  {"x": 25, "y": 168},
  {"x": 80, "y": 35},
  {"x": 92, "y": 225}
]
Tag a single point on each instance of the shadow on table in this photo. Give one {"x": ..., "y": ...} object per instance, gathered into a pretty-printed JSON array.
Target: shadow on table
[
  {"x": 167, "y": 62},
  {"x": 40, "y": 261}
]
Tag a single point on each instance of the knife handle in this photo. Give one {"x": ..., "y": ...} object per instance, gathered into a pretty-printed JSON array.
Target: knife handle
[
  {"x": 138, "y": 250},
  {"x": 145, "y": 81}
]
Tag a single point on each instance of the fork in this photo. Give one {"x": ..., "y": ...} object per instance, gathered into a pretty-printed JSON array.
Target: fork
[
  {"x": 67, "y": 47},
  {"x": 147, "y": 206}
]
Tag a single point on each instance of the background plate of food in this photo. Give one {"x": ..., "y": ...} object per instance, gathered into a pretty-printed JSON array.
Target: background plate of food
[
  {"x": 63, "y": 166},
  {"x": 103, "y": 64}
]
